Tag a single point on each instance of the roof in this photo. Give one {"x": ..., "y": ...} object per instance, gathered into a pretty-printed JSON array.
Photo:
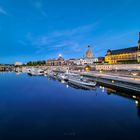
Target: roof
[
  {"x": 125, "y": 50},
  {"x": 101, "y": 57},
  {"x": 60, "y": 58}
]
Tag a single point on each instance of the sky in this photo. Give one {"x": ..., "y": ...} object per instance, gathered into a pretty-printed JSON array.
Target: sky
[{"x": 33, "y": 30}]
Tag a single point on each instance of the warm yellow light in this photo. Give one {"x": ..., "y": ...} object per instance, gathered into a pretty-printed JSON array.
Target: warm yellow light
[
  {"x": 113, "y": 81},
  {"x": 136, "y": 102},
  {"x": 134, "y": 97},
  {"x": 87, "y": 69}
]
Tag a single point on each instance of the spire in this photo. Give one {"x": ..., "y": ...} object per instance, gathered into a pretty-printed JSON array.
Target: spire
[
  {"x": 139, "y": 42},
  {"x": 89, "y": 53},
  {"x": 89, "y": 46},
  {"x": 139, "y": 38}
]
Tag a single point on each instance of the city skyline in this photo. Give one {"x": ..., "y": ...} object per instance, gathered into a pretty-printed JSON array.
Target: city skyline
[{"x": 38, "y": 29}]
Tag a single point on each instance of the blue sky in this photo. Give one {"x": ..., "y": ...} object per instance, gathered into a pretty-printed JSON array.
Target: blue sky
[{"x": 42, "y": 29}]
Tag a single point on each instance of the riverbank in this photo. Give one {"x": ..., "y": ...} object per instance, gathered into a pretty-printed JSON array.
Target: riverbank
[
  {"x": 122, "y": 80},
  {"x": 125, "y": 83}
]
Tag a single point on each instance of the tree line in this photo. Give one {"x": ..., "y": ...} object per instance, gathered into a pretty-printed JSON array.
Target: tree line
[{"x": 36, "y": 63}]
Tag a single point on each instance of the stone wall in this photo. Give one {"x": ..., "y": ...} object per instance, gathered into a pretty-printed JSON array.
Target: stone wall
[{"x": 127, "y": 67}]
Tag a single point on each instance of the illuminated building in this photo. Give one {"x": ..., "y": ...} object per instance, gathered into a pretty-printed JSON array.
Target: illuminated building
[
  {"x": 88, "y": 60},
  {"x": 124, "y": 56},
  {"x": 56, "y": 62}
]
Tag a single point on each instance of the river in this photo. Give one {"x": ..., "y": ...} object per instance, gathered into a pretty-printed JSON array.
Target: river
[{"x": 39, "y": 108}]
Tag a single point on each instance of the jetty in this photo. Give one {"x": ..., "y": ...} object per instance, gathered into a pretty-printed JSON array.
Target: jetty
[{"x": 126, "y": 83}]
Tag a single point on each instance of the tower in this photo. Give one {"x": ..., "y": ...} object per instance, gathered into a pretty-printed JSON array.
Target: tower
[
  {"x": 138, "y": 53},
  {"x": 89, "y": 54},
  {"x": 139, "y": 42}
]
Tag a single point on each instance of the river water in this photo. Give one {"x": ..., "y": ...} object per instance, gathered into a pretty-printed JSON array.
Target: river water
[{"x": 38, "y": 108}]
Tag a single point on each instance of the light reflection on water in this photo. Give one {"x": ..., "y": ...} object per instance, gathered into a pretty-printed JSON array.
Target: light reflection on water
[{"x": 41, "y": 108}]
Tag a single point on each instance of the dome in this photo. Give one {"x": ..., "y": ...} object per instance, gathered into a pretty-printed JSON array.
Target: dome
[
  {"x": 108, "y": 50},
  {"x": 60, "y": 58},
  {"x": 89, "y": 53}
]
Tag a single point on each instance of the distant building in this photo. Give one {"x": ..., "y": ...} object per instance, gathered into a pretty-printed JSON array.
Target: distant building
[
  {"x": 101, "y": 59},
  {"x": 125, "y": 55},
  {"x": 56, "y": 62},
  {"x": 70, "y": 62},
  {"x": 88, "y": 60},
  {"x": 18, "y": 64}
]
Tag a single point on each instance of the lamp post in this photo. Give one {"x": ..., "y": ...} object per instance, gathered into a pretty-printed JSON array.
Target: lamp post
[
  {"x": 134, "y": 74},
  {"x": 116, "y": 69}
]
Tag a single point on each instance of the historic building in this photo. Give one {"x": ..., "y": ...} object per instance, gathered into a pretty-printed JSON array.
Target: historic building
[
  {"x": 88, "y": 60},
  {"x": 56, "y": 62},
  {"x": 124, "y": 56},
  {"x": 70, "y": 62},
  {"x": 101, "y": 60},
  {"x": 18, "y": 63}
]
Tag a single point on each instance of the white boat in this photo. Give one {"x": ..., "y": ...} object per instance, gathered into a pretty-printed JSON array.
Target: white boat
[
  {"x": 25, "y": 70},
  {"x": 80, "y": 81},
  {"x": 65, "y": 76},
  {"x": 36, "y": 72},
  {"x": 62, "y": 76},
  {"x": 52, "y": 75}
]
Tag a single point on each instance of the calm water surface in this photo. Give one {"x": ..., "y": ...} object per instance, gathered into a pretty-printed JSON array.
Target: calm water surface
[{"x": 36, "y": 108}]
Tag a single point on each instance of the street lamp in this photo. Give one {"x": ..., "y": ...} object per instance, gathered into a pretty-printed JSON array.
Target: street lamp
[
  {"x": 116, "y": 69},
  {"x": 134, "y": 74}
]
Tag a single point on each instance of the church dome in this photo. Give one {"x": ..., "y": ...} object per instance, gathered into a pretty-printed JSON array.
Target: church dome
[
  {"x": 89, "y": 53},
  {"x": 60, "y": 58}
]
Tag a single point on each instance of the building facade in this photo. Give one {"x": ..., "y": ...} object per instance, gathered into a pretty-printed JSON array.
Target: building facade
[
  {"x": 88, "y": 60},
  {"x": 124, "y": 56},
  {"x": 117, "y": 67},
  {"x": 18, "y": 63},
  {"x": 56, "y": 62}
]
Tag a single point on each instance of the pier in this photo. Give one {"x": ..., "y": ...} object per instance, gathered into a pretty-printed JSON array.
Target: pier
[{"x": 130, "y": 84}]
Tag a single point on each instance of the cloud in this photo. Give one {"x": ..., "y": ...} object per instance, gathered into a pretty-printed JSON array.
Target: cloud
[
  {"x": 2, "y": 11},
  {"x": 69, "y": 39},
  {"x": 40, "y": 7},
  {"x": 23, "y": 43},
  {"x": 38, "y": 4},
  {"x": 116, "y": 40}
]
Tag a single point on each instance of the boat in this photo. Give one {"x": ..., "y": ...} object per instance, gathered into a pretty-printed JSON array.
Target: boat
[
  {"x": 52, "y": 75},
  {"x": 78, "y": 80},
  {"x": 62, "y": 76},
  {"x": 35, "y": 72},
  {"x": 80, "y": 87}
]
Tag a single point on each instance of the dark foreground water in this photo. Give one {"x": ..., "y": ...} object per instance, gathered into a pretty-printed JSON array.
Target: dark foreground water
[{"x": 36, "y": 108}]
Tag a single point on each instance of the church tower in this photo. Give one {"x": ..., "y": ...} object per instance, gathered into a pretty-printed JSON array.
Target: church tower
[
  {"x": 89, "y": 54},
  {"x": 139, "y": 42}
]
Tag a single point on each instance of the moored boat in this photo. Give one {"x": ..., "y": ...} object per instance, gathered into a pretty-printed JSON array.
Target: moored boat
[
  {"x": 36, "y": 72},
  {"x": 62, "y": 76},
  {"x": 80, "y": 81}
]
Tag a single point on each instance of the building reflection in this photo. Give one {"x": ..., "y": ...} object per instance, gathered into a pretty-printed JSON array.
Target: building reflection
[
  {"x": 79, "y": 87},
  {"x": 110, "y": 91},
  {"x": 136, "y": 98},
  {"x": 138, "y": 107}
]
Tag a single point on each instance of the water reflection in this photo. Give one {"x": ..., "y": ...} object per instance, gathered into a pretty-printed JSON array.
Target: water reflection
[
  {"x": 44, "y": 105},
  {"x": 138, "y": 107},
  {"x": 109, "y": 92}
]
